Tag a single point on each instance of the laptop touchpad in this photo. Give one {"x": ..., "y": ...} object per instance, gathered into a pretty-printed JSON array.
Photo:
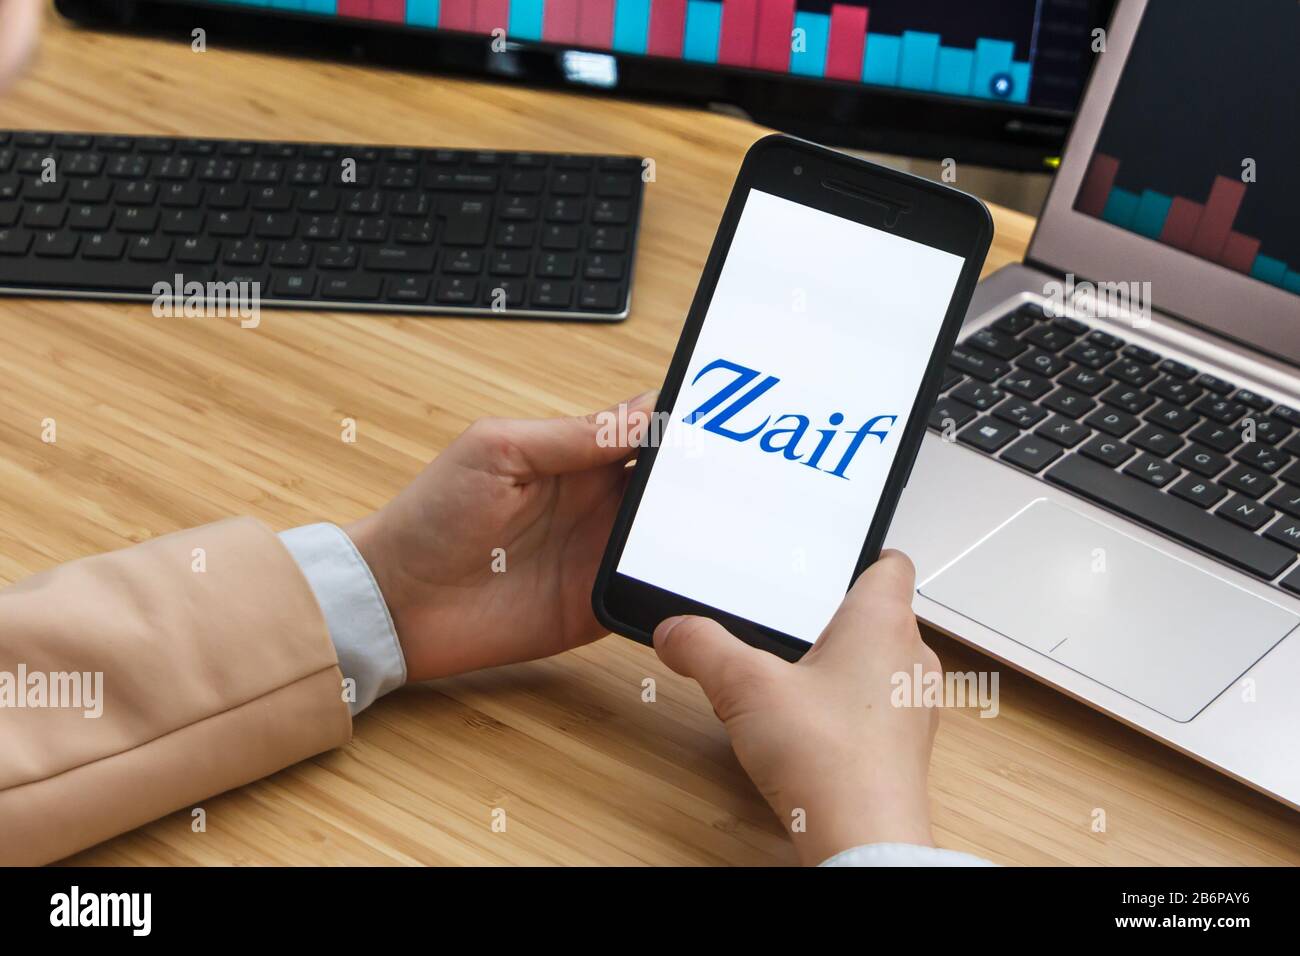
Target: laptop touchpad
[{"x": 1132, "y": 617}]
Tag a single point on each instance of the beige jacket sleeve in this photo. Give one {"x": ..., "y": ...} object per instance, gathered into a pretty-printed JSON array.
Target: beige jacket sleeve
[{"x": 217, "y": 669}]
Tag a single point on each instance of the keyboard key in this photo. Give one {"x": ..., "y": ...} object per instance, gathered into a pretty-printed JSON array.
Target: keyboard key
[
  {"x": 987, "y": 434},
  {"x": 1069, "y": 403},
  {"x": 1254, "y": 400},
  {"x": 1105, "y": 340},
  {"x": 355, "y": 287},
  {"x": 1177, "y": 518},
  {"x": 398, "y": 259},
  {"x": 1084, "y": 380},
  {"x": 1026, "y": 384},
  {"x": 1132, "y": 373},
  {"x": 1013, "y": 323},
  {"x": 1108, "y": 451},
  {"x": 978, "y": 396},
  {"x": 1136, "y": 353},
  {"x": 1245, "y": 511},
  {"x": 1286, "y": 498},
  {"x": 455, "y": 290},
  {"x": 294, "y": 285},
  {"x": 1249, "y": 481},
  {"x": 409, "y": 289},
  {"x": 1042, "y": 363},
  {"x": 1177, "y": 369},
  {"x": 1221, "y": 410},
  {"x": 1201, "y": 460},
  {"x": 1112, "y": 421},
  {"x": 599, "y": 296},
  {"x": 1152, "y": 470},
  {"x": 1199, "y": 491},
  {"x": 1019, "y": 412},
  {"x": 949, "y": 414},
  {"x": 1129, "y": 399},
  {"x": 1172, "y": 417},
  {"x": 1033, "y": 453},
  {"x": 996, "y": 344},
  {"x": 1062, "y": 431},
  {"x": 1216, "y": 385},
  {"x": 976, "y": 364},
  {"x": 1215, "y": 436},
  {"x": 552, "y": 294},
  {"x": 1158, "y": 441},
  {"x": 1262, "y": 457},
  {"x": 1176, "y": 390},
  {"x": 1284, "y": 531},
  {"x": 1049, "y": 338},
  {"x": 1093, "y": 356}
]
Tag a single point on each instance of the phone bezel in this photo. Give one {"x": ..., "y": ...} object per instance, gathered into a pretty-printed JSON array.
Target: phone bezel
[{"x": 926, "y": 212}]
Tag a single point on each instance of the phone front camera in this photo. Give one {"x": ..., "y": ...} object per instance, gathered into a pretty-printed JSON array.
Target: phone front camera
[{"x": 798, "y": 170}]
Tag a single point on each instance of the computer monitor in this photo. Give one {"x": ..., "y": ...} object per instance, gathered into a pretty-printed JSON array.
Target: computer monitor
[{"x": 985, "y": 81}]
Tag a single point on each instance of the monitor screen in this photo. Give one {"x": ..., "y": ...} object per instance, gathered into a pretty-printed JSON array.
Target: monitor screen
[
  {"x": 1207, "y": 174},
  {"x": 1026, "y": 52}
]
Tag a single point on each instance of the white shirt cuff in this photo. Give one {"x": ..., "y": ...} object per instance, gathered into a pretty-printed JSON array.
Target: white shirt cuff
[
  {"x": 902, "y": 854},
  {"x": 355, "y": 613}
]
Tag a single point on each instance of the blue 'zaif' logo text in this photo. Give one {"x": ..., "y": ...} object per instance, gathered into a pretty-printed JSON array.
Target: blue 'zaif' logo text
[{"x": 745, "y": 387}]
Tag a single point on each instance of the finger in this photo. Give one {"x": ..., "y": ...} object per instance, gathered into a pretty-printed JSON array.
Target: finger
[
  {"x": 526, "y": 449},
  {"x": 709, "y": 654},
  {"x": 877, "y": 608}
]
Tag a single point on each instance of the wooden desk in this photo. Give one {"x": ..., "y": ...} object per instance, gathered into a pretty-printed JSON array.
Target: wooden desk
[{"x": 167, "y": 423}]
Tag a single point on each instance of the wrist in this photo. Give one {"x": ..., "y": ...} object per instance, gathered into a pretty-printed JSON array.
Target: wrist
[{"x": 368, "y": 537}]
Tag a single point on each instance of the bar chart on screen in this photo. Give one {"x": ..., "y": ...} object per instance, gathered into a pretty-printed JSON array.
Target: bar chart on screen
[
  {"x": 1210, "y": 174},
  {"x": 971, "y": 48}
]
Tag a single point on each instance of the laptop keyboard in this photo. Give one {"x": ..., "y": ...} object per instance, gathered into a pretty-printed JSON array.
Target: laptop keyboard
[
  {"x": 424, "y": 230},
  {"x": 1186, "y": 453}
]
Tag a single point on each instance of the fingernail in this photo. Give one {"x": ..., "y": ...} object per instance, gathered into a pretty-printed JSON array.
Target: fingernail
[{"x": 665, "y": 626}]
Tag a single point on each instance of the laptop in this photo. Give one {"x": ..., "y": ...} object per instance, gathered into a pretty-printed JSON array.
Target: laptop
[{"x": 1108, "y": 497}]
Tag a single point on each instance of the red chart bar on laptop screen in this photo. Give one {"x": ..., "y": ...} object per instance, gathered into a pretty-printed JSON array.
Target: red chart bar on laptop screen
[
  {"x": 1097, "y": 184},
  {"x": 354, "y": 8},
  {"x": 457, "y": 15},
  {"x": 491, "y": 15},
  {"x": 667, "y": 27},
  {"x": 773, "y": 37},
  {"x": 596, "y": 24},
  {"x": 848, "y": 40},
  {"x": 1220, "y": 213},
  {"x": 739, "y": 31},
  {"x": 560, "y": 21},
  {"x": 390, "y": 11},
  {"x": 1180, "y": 224}
]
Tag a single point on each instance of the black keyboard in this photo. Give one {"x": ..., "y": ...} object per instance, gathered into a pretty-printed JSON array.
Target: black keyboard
[
  {"x": 1184, "y": 452},
  {"x": 326, "y": 226}
]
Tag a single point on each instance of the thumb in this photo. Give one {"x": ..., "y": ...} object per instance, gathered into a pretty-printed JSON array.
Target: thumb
[
  {"x": 709, "y": 654},
  {"x": 553, "y": 446}
]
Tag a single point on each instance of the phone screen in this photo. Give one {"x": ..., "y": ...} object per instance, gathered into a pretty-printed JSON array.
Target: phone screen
[{"x": 774, "y": 455}]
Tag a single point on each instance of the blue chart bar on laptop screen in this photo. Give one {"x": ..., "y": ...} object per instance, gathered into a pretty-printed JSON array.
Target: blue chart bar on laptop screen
[{"x": 980, "y": 49}]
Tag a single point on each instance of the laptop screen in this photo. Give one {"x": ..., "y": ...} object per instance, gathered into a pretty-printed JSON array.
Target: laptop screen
[{"x": 1197, "y": 150}]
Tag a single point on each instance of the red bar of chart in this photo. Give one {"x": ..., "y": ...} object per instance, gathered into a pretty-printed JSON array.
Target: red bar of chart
[
  {"x": 491, "y": 15},
  {"x": 848, "y": 41},
  {"x": 1216, "y": 222},
  {"x": 772, "y": 40},
  {"x": 596, "y": 24},
  {"x": 560, "y": 21},
  {"x": 667, "y": 27},
  {"x": 739, "y": 31},
  {"x": 1097, "y": 184},
  {"x": 1180, "y": 225},
  {"x": 457, "y": 15},
  {"x": 391, "y": 11},
  {"x": 1239, "y": 252},
  {"x": 354, "y": 8}
]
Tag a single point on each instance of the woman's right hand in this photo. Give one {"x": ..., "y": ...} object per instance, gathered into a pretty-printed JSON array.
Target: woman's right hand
[{"x": 822, "y": 736}]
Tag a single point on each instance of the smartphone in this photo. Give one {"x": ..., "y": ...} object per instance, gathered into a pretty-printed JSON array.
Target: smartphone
[{"x": 797, "y": 397}]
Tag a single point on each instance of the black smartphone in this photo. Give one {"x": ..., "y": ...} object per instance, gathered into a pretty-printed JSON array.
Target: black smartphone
[{"x": 797, "y": 397}]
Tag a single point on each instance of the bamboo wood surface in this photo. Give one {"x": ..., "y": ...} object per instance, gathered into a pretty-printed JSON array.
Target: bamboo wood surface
[{"x": 167, "y": 423}]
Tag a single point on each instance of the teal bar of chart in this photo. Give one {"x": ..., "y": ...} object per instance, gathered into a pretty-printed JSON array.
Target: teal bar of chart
[
  {"x": 525, "y": 19},
  {"x": 703, "y": 29},
  {"x": 1268, "y": 269},
  {"x": 327, "y": 6},
  {"x": 1152, "y": 211},
  {"x": 953, "y": 73},
  {"x": 631, "y": 25},
  {"x": 422, "y": 13},
  {"x": 880, "y": 62},
  {"x": 810, "y": 59},
  {"x": 916, "y": 68},
  {"x": 992, "y": 59},
  {"x": 1121, "y": 208}
]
